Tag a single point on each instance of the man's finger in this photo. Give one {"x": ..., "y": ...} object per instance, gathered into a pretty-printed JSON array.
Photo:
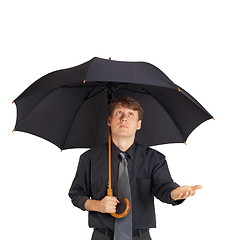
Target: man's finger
[
  {"x": 196, "y": 187},
  {"x": 192, "y": 193},
  {"x": 185, "y": 195},
  {"x": 114, "y": 199}
]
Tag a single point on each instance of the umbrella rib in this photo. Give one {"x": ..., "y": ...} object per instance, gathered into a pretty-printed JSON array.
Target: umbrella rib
[
  {"x": 87, "y": 97},
  {"x": 113, "y": 89},
  {"x": 67, "y": 86},
  {"x": 136, "y": 91},
  {"x": 146, "y": 92},
  {"x": 45, "y": 97},
  {"x": 167, "y": 113},
  {"x": 34, "y": 107}
]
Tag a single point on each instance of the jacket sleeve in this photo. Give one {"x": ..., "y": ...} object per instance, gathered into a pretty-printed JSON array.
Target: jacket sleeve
[
  {"x": 162, "y": 183},
  {"x": 80, "y": 188}
]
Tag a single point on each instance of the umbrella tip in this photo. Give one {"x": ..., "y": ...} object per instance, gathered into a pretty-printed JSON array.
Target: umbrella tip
[
  {"x": 13, "y": 102},
  {"x": 179, "y": 90},
  {"x": 185, "y": 143},
  {"x": 213, "y": 118},
  {"x": 13, "y": 130},
  {"x": 109, "y": 58},
  {"x": 61, "y": 149}
]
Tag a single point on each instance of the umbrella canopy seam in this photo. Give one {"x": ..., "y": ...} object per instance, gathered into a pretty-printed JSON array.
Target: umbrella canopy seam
[
  {"x": 33, "y": 107},
  {"x": 87, "y": 97},
  {"x": 148, "y": 93}
]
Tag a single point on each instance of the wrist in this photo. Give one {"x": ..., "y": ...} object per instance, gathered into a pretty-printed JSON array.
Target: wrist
[
  {"x": 92, "y": 205},
  {"x": 97, "y": 205}
]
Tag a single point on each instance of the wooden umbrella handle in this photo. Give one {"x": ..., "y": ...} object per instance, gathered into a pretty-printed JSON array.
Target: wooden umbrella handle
[{"x": 127, "y": 209}]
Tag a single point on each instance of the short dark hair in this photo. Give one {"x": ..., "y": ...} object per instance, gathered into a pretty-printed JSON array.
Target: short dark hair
[{"x": 127, "y": 102}]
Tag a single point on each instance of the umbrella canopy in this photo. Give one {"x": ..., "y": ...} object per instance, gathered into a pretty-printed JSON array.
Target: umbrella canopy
[{"x": 69, "y": 107}]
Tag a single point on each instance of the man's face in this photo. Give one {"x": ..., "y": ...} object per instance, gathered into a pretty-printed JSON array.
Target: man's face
[{"x": 124, "y": 122}]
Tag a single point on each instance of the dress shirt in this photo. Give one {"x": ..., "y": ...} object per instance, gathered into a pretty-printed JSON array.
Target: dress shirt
[{"x": 149, "y": 176}]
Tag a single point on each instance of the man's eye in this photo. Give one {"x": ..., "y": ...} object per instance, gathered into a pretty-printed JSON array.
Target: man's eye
[
  {"x": 118, "y": 113},
  {"x": 131, "y": 114}
]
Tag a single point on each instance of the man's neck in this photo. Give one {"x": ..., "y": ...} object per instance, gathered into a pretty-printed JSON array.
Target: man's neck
[{"x": 123, "y": 143}]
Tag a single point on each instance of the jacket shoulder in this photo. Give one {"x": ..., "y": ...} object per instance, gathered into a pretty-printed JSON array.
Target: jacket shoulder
[
  {"x": 95, "y": 150},
  {"x": 146, "y": 150},
  {"x": 99, "y": 148}
]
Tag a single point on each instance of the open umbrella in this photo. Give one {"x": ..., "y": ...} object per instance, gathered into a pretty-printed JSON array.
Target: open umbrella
[{"x": 69, "y": 107}]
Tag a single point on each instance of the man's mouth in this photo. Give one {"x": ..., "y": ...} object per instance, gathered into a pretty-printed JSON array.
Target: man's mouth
[{"x": 123, "y": 126}]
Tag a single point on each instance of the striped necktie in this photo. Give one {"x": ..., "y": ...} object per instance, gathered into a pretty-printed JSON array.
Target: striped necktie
[{"x": 123, "y": 226}]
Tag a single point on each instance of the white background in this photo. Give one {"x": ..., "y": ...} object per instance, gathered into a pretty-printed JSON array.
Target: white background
[{"x": 189, "y": 40}]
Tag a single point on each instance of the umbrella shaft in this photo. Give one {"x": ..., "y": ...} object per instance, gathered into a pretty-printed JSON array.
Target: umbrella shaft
[{"x": 109, "y": 153}]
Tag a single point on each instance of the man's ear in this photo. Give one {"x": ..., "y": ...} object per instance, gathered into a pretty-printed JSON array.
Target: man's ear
[
  {"x": 108, "y": 122},
  {"x": 139, "y": 124}
]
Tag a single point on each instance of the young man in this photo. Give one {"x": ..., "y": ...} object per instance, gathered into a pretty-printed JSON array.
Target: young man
[{"x": 148, "y": 176}]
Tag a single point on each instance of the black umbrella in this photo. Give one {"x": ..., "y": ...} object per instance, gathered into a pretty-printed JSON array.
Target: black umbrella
[{"x": 69, "y": 107}]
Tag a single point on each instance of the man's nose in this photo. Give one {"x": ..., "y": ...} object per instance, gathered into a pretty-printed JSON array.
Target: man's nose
[{"x": 123, "y": 118}]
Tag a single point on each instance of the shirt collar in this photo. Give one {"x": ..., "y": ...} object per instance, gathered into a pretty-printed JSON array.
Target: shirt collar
[{"x": 130, "y": 151}]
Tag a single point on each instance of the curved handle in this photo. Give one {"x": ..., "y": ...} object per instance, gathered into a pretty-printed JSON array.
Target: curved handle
[{"x": 126, "y": 211}]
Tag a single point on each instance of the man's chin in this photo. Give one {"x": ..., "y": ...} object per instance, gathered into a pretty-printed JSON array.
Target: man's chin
[{"x": 124, "y": 134}]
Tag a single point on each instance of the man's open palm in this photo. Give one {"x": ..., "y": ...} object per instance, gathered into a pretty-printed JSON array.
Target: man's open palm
[{"x": 184, "y": 192}]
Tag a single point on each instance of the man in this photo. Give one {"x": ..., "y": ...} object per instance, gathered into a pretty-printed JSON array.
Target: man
[{"x": 148, "y": 176}]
